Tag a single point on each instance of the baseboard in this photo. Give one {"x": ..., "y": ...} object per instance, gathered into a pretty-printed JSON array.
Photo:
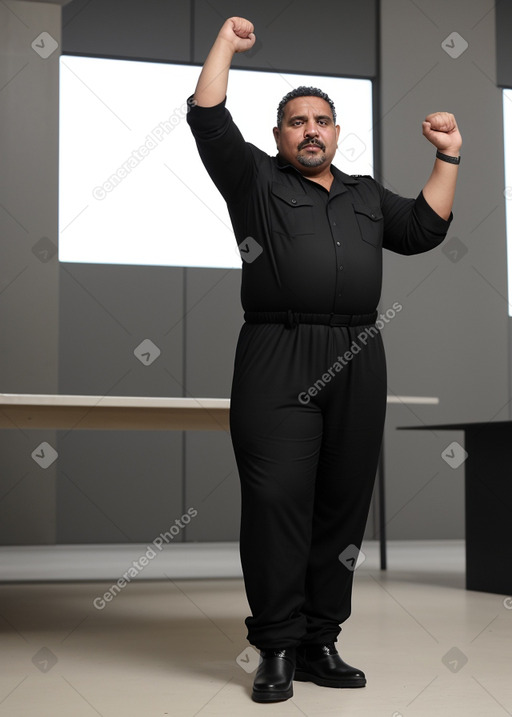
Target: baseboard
[{"x": 47, "y": 563}]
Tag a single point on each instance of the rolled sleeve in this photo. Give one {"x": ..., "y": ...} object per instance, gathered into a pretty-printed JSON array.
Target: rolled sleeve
[
  {"x": 429, "y": 218},
  {"x": 208, "y": 123},
  {"x": 411, "y": 226}
]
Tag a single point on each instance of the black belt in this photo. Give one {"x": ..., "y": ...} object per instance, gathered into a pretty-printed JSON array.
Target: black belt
[{"x": 292, "y": 318}]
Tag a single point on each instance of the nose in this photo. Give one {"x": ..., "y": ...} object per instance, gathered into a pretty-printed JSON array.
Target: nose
[{"x": 310, "y": 129}]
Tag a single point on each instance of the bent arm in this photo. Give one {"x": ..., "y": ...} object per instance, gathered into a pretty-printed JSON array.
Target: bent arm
[
  {"x": 411, "y": 226},
  {"x": 440, "y": 128}
]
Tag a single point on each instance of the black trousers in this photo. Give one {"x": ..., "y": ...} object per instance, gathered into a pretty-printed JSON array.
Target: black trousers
[{"x": 306, "y": 430}]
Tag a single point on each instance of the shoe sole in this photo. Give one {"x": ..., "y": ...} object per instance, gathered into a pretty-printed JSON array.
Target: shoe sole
[
  {"x": 272, "y": 696},
  {"x": 301, "y": 676}
]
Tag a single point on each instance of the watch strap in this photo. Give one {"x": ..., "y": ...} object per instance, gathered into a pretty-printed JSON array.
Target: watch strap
[{"x": 447, "y": 158}]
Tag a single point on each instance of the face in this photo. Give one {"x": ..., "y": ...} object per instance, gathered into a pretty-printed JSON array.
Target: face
[{"x": 308, "y": 137}]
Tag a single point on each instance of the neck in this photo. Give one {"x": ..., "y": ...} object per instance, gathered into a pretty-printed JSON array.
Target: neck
[{"x": 325, "y": 178}]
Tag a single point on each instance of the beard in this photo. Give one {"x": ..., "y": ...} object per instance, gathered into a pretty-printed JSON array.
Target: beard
[{"x": 311, "y": 161}]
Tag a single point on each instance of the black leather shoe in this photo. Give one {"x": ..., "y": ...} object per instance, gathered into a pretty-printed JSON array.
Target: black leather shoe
[
  {"x": 322, "y": 665},
  {"x": 274, "y": 678}
]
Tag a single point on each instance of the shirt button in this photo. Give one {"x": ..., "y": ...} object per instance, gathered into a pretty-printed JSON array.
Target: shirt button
[
  {"x": 294, "y": 201},
  {"x": 334, "y": 224},
  {"x": 338, "y": 243},
  {"x": 341, "y": 267}
]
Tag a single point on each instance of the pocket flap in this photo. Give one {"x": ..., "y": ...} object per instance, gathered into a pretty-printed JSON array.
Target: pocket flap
[
  {"x": 373, "y": 213},
  {"x": 290, "y": 196}
]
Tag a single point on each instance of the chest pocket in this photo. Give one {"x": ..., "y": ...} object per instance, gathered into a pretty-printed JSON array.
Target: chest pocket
[
  {"x": 371, "y": 223},
  {"x": 291, "y": 211}
]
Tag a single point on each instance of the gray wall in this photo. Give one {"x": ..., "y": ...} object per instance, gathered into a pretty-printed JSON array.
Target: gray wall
[
  {"x": 450, "y": 340},
  {"x": 29, "y": 283}
]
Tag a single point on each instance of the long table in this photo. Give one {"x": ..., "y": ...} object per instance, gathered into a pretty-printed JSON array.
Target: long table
[
  {"x": 136, "y": 413},
  {"x": 147, "y": 413}
]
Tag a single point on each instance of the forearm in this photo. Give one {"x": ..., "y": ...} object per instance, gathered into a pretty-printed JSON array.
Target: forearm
[
  {"x": 439, "y": 191},
  {"x": 212, "y": 85},
  {"x": 236, "y": 35},
  {"x": 440, "y": 128}
]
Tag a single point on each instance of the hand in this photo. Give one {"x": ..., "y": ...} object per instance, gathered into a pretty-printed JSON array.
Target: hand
[
  {"x": 441, "y": 129},
  {"x": 239, "y": 33}
]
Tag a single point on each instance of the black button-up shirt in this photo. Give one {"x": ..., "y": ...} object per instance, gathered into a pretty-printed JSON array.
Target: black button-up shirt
[{"x": 305, "y": 248}]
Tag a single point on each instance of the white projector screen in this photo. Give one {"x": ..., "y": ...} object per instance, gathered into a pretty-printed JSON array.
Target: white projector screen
[{"x": 132, "y": 189}]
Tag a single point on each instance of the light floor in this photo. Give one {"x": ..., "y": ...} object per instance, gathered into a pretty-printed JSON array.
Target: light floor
[{"x": 177, "y": 646}]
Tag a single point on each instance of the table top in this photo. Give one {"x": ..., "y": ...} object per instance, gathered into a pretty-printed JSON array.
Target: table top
[
  {"x": 480, "y": 425},
  {"x": 42, "y": 399},
  {"x": 157, "y": 413}
]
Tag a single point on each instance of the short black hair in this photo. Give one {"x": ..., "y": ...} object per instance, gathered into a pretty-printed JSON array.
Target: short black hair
[{"x": 303, "y": 91}]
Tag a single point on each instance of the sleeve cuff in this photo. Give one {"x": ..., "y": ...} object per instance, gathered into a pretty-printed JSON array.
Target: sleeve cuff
[
  {"x": 429, "y": 218},
  {"x": 201, "y": 119}
]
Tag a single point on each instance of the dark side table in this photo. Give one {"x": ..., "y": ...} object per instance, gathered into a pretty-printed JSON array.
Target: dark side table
[{"x": 488, "y": 501}]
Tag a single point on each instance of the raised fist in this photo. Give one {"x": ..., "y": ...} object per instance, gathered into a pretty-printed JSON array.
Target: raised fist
[
  {"x": 239, "y": 32},
  {"x": 441, "y": 129}
]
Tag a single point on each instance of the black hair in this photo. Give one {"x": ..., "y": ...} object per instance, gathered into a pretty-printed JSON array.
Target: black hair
[{"x": 303, "y": 91}]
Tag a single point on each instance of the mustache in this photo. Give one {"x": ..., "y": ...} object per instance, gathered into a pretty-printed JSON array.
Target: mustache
[{"x": 311, "y": 141}]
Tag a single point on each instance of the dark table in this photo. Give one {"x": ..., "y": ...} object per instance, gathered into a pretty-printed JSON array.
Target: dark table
[{"x": 488, "y": 501}]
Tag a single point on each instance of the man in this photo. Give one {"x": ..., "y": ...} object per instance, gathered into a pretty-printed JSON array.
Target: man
[{"x": 308, "y": 396}]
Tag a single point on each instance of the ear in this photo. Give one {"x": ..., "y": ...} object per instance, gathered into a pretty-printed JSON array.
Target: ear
[
  {"x": 277, "y": 135},
  {"x": 337, "y": 133}
]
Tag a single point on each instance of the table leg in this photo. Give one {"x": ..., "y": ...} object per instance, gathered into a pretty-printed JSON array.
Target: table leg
[
  {"x": 382, "y": 510},
  {"x": 488, "y": 470}
]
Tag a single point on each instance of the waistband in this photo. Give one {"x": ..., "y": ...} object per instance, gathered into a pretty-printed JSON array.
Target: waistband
[{"x": 291, "y": 318}]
